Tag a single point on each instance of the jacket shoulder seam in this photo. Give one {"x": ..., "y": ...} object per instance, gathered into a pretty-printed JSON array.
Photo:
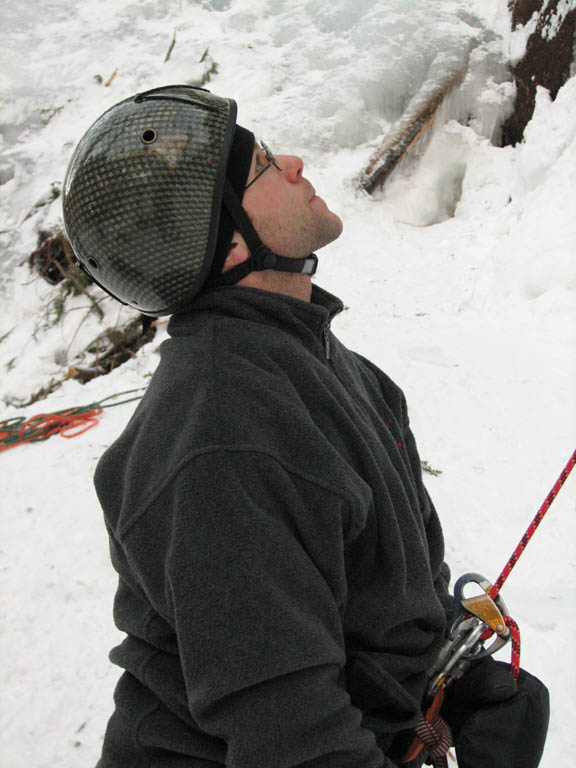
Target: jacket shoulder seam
[{"x": 356, "y": 518}]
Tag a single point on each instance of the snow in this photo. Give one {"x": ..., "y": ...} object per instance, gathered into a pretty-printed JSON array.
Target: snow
[{"x": 458, "y": 278}]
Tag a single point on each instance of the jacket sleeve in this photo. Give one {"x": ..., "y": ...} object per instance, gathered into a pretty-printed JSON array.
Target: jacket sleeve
[{"x": 254, "y": 584}]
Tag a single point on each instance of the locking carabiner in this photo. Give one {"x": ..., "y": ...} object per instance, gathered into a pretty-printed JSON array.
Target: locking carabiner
[{"x": 473, "y": 618}]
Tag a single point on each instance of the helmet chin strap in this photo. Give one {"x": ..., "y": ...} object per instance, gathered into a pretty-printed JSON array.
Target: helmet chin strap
[{"x": 261, "y": 257}]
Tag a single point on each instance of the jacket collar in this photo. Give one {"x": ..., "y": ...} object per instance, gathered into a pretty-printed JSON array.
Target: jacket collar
[{"x": 299, "y": 317}]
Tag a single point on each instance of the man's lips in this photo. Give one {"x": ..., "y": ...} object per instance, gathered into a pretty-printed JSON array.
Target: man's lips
[{"x": 312, "y": 195}]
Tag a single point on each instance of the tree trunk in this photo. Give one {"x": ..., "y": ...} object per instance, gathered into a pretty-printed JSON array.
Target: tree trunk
[{"x": 547, "y": 61}]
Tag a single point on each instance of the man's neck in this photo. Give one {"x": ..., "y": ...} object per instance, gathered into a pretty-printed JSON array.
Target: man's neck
[{"x": 297, "y": 286}]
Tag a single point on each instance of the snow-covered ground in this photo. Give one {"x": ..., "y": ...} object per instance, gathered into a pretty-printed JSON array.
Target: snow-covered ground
[{"x": 459, "y": 279}]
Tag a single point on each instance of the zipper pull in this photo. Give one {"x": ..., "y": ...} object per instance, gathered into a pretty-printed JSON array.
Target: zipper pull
[{"x": 326, "y": 333}]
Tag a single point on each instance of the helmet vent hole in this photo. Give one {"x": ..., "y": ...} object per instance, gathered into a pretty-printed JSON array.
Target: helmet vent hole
[
  {"x": 148, "y": 136},
  {"x": 93, "y": 263}
]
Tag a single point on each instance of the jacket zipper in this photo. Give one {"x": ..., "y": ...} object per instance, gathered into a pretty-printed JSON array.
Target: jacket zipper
[{"x": 326, "y": 334}]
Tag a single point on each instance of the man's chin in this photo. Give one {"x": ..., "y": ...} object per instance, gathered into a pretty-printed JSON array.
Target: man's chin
[
  {"x": 340, "y": 225},
  {"x": 333, "y": 228}
]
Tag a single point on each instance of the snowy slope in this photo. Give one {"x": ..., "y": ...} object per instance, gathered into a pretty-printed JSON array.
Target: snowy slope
[{"x": 459, "y": 280}]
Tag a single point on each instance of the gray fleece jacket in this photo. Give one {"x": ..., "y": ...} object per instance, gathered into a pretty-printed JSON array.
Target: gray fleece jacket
[{"x": 281, "y": 576}]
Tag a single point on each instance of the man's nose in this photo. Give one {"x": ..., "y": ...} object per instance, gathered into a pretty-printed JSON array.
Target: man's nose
[{"x": 292, "y": 166}]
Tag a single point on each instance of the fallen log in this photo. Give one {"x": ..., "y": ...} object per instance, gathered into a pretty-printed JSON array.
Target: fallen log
[{"x": 445, "y": 73}]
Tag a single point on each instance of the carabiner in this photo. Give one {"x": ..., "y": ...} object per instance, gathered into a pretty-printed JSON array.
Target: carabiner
[{"x": 473, "y": 617}]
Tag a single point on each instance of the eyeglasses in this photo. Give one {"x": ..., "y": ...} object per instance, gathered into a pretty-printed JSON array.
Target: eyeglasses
[{"x": 271, "y": 161}]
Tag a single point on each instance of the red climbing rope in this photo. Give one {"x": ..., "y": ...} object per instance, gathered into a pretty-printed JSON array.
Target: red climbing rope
[
  {"x": 510, "y": 623},
  {"x": 515, "y": 642},
  {"x": 533, "y": 526},
  {"x": 68, "y": 423}
]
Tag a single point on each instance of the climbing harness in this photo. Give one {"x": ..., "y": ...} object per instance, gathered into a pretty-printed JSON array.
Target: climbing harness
[
  {"x": 476, "y": 619},
  {"x": 67, "y": 423}
]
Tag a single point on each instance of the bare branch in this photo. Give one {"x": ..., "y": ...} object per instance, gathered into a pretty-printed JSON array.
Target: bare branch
[
  {"x": 111, "y": 78},
  {"x": 171, "y": 48}
]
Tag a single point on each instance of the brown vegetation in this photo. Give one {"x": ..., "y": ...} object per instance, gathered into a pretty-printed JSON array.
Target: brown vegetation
[{"x": 53, "y": 259}]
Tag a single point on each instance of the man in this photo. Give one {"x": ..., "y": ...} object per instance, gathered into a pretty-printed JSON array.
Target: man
[{"x": 281, "y": 575}]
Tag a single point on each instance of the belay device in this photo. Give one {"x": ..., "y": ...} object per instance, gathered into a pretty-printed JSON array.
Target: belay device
[{"x": 473, "y": 617}]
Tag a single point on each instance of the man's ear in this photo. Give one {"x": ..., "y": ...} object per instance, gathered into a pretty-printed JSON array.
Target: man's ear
[{"x": 237, "y": 254}]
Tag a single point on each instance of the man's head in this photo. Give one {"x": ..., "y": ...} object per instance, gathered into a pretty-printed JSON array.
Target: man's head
[{"x": 160, "y": 183}]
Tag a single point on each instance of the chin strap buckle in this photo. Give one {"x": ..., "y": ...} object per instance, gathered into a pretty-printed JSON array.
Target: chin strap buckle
[
  {"x": 264, "y": 258},
  {"x": 310, "y": 265}
]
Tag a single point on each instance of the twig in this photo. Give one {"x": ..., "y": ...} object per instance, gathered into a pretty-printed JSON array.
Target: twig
[
  {"x": 80, "y": 324},
  {"x": 111, "y": 78},
  {"x": 171, "y": 48}
]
